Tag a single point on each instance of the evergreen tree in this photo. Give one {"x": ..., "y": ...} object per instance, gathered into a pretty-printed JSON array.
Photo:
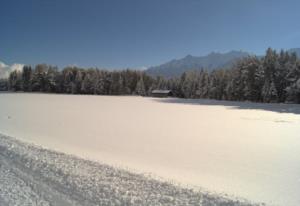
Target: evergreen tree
[
  {"x": 26, "y": 78},
  {"x": 38, "y": 78},
  {"x": 50, "y": 79},
  {"x": 272, "y": 78},
  {"x": 140, "y": 87},
  {"x": 15, "y": 81},
  {"x": 3, "y": 84}
]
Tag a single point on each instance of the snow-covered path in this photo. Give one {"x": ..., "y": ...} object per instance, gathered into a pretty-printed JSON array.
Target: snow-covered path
[
  {"x": 30, "y": 175},
  {"x": 243, "y": 149}
]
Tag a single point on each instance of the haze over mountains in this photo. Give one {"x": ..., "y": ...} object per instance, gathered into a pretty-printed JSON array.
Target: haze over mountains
[{"x": 209, "y": 62}]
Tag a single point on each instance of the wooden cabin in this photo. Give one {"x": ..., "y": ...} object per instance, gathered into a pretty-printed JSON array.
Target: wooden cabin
[{"x": 161, "y": 93}]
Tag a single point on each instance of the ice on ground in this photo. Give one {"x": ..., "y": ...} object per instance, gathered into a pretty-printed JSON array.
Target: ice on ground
[
  {"x": 30, "y": 175},
  {"x": 243, "y": 149}
]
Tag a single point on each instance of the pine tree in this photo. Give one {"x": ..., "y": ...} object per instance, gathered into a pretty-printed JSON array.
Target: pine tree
[
  {"x": 26, "y": 78},
  {"x": 269, "y": 92},
  {"x": 87, "y": 83},
  {"x": 3, "y": 84},
  {"x": 15, "y": 81},
  {"x": 140, "y": 87},
  {"x": 38, "y": 78},
  {"x": 50, "y": 79}
]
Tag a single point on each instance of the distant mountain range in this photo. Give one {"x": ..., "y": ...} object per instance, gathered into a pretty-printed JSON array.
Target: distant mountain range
[
  {"x": 209, "y": 62},
  {"x": 175, "y": 67}
]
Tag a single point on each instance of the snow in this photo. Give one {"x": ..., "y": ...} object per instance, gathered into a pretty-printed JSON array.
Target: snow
[
  {"x": 243, "y": 149},
  {"x": 6, "y": 69},
  {"x": 31, "y": 175}
]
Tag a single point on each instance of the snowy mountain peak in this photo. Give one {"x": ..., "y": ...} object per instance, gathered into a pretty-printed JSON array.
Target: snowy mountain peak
[{"x": 211, "y": 61}]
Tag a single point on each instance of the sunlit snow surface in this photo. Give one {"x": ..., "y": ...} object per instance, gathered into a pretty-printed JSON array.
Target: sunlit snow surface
[
  {"x": 243, "y": 149},
  {"x": 30, "y": 175}
]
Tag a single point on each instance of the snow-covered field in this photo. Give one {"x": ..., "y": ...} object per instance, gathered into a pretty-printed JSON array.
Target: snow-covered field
[
  {"x": 31, "y": 175},
  {"x": 243, "y": 149}
]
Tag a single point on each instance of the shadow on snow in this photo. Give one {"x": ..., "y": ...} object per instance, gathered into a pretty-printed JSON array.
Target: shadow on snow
[{"x": 274, "y": 107}]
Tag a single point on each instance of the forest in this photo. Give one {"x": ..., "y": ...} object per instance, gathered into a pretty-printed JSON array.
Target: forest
[{"x": 274, "y": 77}]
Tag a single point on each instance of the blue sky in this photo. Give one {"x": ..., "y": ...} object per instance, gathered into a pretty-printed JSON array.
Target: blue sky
[{"x": 137, "y": 33}]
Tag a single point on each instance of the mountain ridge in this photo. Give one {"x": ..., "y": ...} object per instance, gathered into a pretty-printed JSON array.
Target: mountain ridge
[{"x": 211, "y": 61}]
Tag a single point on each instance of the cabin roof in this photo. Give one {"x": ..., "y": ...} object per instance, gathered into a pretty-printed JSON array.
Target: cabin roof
[{"x": 160, "y": 91}]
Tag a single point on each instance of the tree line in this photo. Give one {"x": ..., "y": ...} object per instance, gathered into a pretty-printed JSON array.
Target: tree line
[
  {"x": 275, "y": 77},
  {"x": 74, "y": 80}
]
